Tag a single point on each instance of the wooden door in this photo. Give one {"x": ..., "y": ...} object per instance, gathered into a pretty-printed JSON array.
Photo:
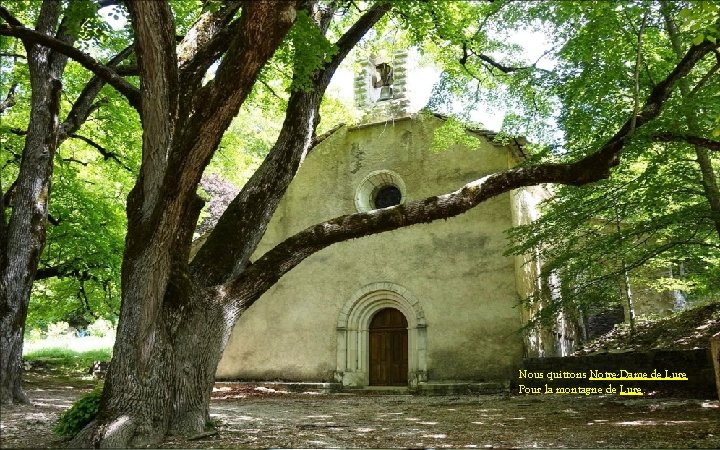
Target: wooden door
[{"x": 388, "y": 348}]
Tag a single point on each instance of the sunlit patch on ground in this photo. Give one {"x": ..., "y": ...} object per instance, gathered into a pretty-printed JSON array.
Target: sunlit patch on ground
[{"x": 653, "y": 422}]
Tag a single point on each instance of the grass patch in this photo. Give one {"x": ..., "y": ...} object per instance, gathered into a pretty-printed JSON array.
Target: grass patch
[
  {"x": 68, "y": 353},
  {"x": 66, "y": 358}
]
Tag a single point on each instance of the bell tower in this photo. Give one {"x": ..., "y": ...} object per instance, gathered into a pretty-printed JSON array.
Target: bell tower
[{"x": 381, "y": 87}]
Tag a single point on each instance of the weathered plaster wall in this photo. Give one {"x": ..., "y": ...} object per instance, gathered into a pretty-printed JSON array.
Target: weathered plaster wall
[{"x": 455, "y": 268}]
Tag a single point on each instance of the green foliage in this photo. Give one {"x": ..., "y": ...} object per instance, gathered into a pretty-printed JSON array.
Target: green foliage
[
  {"x": 249, "y": 137},
  {"x": 453, "y": 132},
  {"x": 649, "y": 218},
  {"x": 306, "y": 49},
  {"x": 695, "y": 19},
  {"x": 83, "y": 22},
  {"x": 81, "y": 413},
  {"x": 652, "y": 217},
  {"x": 462, "y": 37}
]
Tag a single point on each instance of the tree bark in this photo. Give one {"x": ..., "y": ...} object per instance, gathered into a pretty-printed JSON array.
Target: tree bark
[
  {"x": 227, "y": 250},
  {"x": 710, "y": 184},
  {"x": 715, "y": 354},
  {"x": 626, "y": 289}
]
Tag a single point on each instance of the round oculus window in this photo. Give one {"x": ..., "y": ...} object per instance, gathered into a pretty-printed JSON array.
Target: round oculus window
[
  {"x": 387, "y": 196},
  {"x": 379, "y": 189}
]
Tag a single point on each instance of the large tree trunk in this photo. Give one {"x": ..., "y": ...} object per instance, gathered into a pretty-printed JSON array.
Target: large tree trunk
[
  {"x": 170, "y": 394},
  {"x": 24, "y": 236}
]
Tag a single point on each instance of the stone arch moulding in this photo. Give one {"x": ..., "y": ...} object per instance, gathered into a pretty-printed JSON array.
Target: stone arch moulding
[{"x": 353, "y": 333}]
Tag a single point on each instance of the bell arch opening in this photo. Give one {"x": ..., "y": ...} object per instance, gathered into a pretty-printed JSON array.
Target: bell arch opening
[{"x": 353, "y": 334}]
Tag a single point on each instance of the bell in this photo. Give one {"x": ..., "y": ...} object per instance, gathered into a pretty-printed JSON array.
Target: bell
[{"x": 386, "y": 93}]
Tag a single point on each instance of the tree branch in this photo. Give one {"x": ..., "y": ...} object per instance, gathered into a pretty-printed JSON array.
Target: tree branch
[
  {"x": 65, "y": 269},
  {"x": 84, "y": 106},
  {"x": 700, "y": 84},
  {"x": 127, "y": 70},
  {"x": 12, "y": 55},
  {"x": 206, "y": 40},
  {"x": 53, "y": 220},
  {"x": 9, "y": 18},
  {"x": 690, "y": 139},
  {"x": 106, "y": 154},
  {"x": 154, "y": 30},
  {"x": 9, "y": 98},
  {"x": 269, "y": 88},
  {"x": 248, "y": 286},
  {"x": 709, "y": 179},
  {"x": 261, "y": 28},
  {"x": 75, "y": 160},
  {"x": 636, "y": 74},
  {"x": 106, "y": 73},
  {"x": 482, "y": 57}
]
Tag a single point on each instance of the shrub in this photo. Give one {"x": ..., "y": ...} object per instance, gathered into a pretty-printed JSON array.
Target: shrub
[
  {"x": 57, "y": 329},
  {"x": 101, "y": 328},
  {"x": 81, "y": 413},
  {"x": 34, "y": 335}
]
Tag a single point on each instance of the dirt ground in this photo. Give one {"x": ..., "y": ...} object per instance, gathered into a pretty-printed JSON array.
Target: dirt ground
[{"x": 257, "y": 417}]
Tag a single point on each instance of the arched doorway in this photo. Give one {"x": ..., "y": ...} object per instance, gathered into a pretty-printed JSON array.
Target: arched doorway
[
  {"x": 353, "y": 333},
  {"x": 388, "y": 348}
]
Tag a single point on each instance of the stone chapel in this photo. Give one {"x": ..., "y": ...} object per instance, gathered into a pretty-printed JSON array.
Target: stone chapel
[{"x": 425, "y": 305}]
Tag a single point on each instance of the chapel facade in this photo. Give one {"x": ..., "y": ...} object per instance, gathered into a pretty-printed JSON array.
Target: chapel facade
[{"x": 430, "y": 303}]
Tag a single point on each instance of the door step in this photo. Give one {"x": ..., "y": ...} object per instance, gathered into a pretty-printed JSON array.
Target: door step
[
  {"x": 286, "y": 386},
  {"x": 379, "y": 390}
]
